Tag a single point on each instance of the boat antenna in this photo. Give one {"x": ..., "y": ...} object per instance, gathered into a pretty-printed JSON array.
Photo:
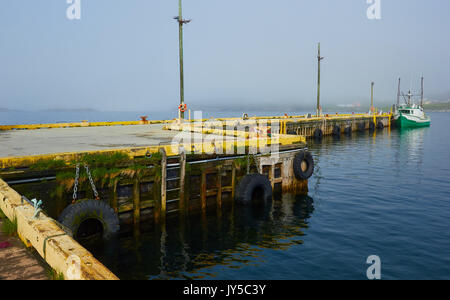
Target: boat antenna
[
  {"x": 421, "y": 93},
  {"x": 398, "y": 93}
]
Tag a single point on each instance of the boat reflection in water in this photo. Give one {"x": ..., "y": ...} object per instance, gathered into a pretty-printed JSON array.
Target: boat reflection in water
[{"x": 207, "y": 246}]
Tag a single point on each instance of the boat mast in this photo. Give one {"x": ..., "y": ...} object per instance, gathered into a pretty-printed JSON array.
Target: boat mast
[
  {"x": 398, "y": 93},
  {"x": 421, "y": 93}
]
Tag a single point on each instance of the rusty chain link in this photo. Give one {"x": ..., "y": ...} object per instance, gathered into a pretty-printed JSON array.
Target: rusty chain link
[
  {"x": 75, "y": 185},
  {"x": 77, "y": 178},
  {"x": 91, "y": 181}
]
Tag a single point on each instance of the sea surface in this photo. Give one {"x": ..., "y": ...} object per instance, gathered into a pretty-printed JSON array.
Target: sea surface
[
  {"x": 385, "y": 193},
  {"x": 16, "y": 117}
]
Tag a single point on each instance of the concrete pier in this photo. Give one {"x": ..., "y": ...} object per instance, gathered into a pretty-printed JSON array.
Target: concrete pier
[
  {"x": 151, "y": 171},
  {"x": 17, "y": 263}
]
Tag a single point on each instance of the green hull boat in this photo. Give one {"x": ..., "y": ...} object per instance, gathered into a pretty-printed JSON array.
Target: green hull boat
[
  {"x": 410, "y": 115},
  {"x": 411, "y": 119}
]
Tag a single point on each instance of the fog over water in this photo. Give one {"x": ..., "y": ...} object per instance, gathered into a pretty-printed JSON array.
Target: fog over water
[{"x": 239, "y": 55}]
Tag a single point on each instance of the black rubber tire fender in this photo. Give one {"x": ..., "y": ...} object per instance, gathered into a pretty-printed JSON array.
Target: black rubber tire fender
[
  {"x": 372, "y": 126},
  {"x": 249, "y": 184},
  {"x": 336, "y": 130},
  {"x": 75, "y": 214},
  {"x": 348, "y": 130},
  {"x": 303, "y": 165},
  {"x": 318, "y": 134},
  {"x": 361, "y": 126},
  {"x": 380, "y": 125}
]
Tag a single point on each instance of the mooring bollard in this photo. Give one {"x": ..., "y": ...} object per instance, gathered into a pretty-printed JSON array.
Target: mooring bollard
[{"x": 37, "y": 208}]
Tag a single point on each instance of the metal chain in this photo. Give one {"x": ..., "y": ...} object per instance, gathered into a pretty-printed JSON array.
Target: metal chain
[
  {"x": 256, "y": 163},
  {"x": 248, "y": 163},
  {"x": 77, "y": 178},
  {"x": 91, "y": 181},
  {"x": 75, "y": 185}
]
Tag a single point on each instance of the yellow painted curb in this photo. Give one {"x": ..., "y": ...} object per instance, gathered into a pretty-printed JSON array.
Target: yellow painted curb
[
  {"x": 79, "y": 124},
  {"x": 59, "y": 250},
  {"x": 212, "y": 146}
]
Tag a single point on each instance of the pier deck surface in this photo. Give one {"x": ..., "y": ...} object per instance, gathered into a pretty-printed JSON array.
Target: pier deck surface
[
  {"x": 17, "y": 263},
  {"x": 15, "y": 143}
]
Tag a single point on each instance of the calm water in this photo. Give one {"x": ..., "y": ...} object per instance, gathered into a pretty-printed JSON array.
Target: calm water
[
  {"x": 385, "y": 194},
  {"x": 39, "y": 117}
]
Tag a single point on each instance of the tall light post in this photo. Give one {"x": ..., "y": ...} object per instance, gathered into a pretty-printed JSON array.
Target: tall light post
[
  {"x": 181, "y": 22},
  {"x": 319, "y": 58},
  {"x": 372, "y": 109}
]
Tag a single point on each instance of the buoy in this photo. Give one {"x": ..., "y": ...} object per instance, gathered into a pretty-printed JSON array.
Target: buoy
[{"x": 182, "y": 107}]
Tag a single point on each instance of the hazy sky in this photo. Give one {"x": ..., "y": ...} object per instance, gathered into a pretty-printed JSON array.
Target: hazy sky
[{"x": 123, "y": 55}]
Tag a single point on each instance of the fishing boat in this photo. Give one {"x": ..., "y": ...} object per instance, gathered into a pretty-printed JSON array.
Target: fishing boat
[{"x": 410, "y": 114}]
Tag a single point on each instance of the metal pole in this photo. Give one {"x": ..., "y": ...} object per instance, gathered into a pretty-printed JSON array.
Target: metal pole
[
  {"x": 319, "y": 58},
  {"x": 371, "y": 97},
  {"x": 421, "y": 93},
  {"x": 180, "y": 26},
  {"x": 398, "y": 93}
]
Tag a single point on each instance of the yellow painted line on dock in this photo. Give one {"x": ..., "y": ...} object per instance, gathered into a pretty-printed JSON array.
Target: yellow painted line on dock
[
  {"x": 341, "y": 117},
  {"x": 249, "y": 120},
  {"x": 268, "y": 121},
  {"x": 79, "y": 124},
  {"x": 210, "y": 129},
  {"x": 221, "y": 146},
  {"x": 60, "y": 251}
]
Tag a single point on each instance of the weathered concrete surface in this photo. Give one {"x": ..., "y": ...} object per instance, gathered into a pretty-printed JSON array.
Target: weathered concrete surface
[
  {"x": 17, "y": 263},
  {"x": 60, "y": 251},
  {"x": 15, "y": 143}
]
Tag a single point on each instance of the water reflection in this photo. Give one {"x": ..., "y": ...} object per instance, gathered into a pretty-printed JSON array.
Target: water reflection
[
  {"x": 213, "y": 245},
  {"x": 198, "y": 246},
  {"x": 411, "y": 142}
]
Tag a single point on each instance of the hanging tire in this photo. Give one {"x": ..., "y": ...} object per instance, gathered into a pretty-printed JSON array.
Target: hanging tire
[
  {"x": 361, "y": 126},
  {"x": 318, "y": 134},
  {"x": 303, "y": 165},
  {"x": 380, "y": 125},
  {"x": 254, "y": 186},
  {"x": 371, "y": 126},
  {"x": 90, "y": 215},
  {"x": 348, "y": 130},
  {"x": 336, "y": 130}
]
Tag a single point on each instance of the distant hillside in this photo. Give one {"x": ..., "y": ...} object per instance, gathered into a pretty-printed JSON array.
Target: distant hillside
[
  {"x": 3, "y": 109},
  {"x": 70, "y": 110},
  {"x": 443, "y": 97},
  {"x": 437, "y": 106}
]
